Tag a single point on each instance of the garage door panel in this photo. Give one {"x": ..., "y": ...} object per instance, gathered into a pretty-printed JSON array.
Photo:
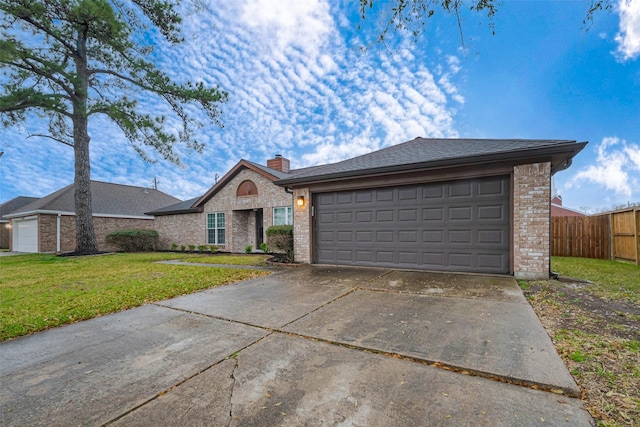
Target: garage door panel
[
  {"x": 452, "y": 226},
  {"x": 385, "y": 215},
  {"x": 460, "y": 260},
  {"x": 433, "y": 236},
  {"x": 460, "y": 213},
  {"x": 344, "y": 217},
  {"x": 433, "y": 215},
  {"x": 464, "y": 237},
  {"x": 492, "y": 212},
  {"x": 364, "y": 217},
  {"x": 408, "y": 194},
  {"x": 364, "y": 197},
  {"x": 460, "y": 189},
  {"x": 384, "y": 195},
  {"x": 407, "y": 215},
  {"x": 384, "y": 257},
  {"x": 364, "y": 256},
  {"x": 326, "y": 218},
  {"x": 492, "y": 187},
  {"x": 406, "y": 257}
]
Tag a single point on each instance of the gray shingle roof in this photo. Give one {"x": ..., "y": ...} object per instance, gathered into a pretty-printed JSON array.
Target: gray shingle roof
[
  {"x": 14, "y": 204},
  {"x": 107, "y": 199},
  {"x": 178, "y": 208},
  {"x": 274, "y": 172},
  {"x": 424, "y": 152}
]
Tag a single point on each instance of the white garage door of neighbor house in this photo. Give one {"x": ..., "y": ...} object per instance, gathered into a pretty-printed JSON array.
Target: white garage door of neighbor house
[{"x": 25, "y": 235}]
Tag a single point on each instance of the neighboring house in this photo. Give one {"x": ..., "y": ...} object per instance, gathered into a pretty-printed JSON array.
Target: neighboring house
[
  {"x": 460, "y": 205},
  {"x": 558, "y": 210},
  {"x": 48, "y": 224},
  {"x": 5, "y": 209},
  {"x": 234, "y": 213}
]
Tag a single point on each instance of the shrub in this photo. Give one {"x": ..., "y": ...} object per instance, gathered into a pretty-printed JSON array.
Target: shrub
[
  {"x": 213, "y": 249},
  {"x": 202, "y": 248},
  {"x": 182, "y": 248},
  {"x": 280, "y": 239},
  {"x": 173, "y": 246},
  {"x": 248, "y": 249},
  {"x": 134, "y": 240},
  {"x": 263, "y": 247},
  {"x": 192, "y": 248}
]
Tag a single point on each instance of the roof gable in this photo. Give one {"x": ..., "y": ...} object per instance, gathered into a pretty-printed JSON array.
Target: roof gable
[{"x": 269, "y": 173}]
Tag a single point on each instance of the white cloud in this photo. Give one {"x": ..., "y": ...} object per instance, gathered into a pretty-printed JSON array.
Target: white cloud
[
  {"x": 628, "y": 38},
  {"x": 614, "y": 168},
  {"x": 297, "y": 87}
]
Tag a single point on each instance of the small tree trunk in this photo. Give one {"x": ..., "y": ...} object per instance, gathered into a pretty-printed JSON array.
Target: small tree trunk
[{"x": 85, "y": 235}]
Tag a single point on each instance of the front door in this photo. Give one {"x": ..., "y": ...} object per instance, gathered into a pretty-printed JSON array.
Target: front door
[{"x": 259, "y": 229}]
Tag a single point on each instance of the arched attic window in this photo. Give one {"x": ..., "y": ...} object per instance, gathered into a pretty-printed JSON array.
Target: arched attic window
[{"x": 247, "y": 188}]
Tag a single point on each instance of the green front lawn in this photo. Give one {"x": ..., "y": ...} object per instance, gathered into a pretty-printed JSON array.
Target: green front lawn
[
  {"x": 42, "y": 291},
  {"x": 611, "y": 279}
]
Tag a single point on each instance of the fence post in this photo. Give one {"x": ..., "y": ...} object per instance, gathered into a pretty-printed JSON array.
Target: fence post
[{"x": 636, "y": 232}]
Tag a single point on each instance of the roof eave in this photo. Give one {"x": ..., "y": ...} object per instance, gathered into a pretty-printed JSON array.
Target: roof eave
[
  {"x": 563, "y": 154},
  {"x": 175, "y": 212}
]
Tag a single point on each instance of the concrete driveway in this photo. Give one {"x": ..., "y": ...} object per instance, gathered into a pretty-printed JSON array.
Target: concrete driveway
[{"x": 307, "y": 346}]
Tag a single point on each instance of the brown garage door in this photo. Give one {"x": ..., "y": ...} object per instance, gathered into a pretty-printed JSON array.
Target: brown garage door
[{"x": 451, "y": 226}]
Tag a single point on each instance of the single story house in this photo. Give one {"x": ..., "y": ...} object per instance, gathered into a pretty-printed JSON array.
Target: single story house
[
  {"x": 234, "y": 213},
  {"x": 48, "y": 224},
  {"x": 460, "y": 205},
  {"x": 5, "y": 209}
]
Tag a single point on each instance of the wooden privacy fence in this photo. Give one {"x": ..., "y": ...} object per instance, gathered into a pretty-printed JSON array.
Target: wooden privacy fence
[
  {"x": 580, "y": 236},
  {"x": 614, "y": 235}
]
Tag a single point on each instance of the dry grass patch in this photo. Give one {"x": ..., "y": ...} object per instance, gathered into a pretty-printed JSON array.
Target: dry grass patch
[{"x": 596, "y": 330}]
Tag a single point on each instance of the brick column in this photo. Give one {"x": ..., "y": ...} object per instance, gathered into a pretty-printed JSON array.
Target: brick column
[
  {"x": 531, "y": 221},
  {"x": 302, "y": 226}
]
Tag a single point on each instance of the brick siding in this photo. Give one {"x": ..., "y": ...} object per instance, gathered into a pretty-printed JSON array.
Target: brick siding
[
  {"x": 302, "y": 227},
  {"x": 240, "y": 215},
  {"x": 531, "y": 217},
  {"x": 47, "y": 231}
]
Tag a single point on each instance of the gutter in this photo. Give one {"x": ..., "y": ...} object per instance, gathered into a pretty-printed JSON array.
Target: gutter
[
  {"x": 51, "y": 212},
  {"x": 570, "y": 150}
]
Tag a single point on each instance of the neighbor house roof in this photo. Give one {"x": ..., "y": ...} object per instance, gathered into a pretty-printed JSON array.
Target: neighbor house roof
[
  {"x": 108, "y": 199},
  {"x": 14, "y": 204},
  {"x": 424, "y": 153},
  {"x": 178, "y": 208}
]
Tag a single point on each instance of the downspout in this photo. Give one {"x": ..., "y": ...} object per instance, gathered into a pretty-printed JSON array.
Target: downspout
[
  {"x": 58, "y": 232},
  {"x": 562, "y": 167}
]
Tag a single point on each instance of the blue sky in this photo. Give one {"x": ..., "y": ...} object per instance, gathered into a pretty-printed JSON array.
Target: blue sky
[{"x": 300, "y": 86}]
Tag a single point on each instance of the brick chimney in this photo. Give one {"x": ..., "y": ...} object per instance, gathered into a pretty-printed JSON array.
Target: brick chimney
[{"x": 279, "y": 163}]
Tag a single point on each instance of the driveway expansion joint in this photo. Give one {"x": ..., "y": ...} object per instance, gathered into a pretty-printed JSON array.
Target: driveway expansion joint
[{"x": 445, "y": 366}]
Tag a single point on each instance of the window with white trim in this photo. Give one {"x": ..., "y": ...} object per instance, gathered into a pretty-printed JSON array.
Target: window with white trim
[
  {"x": 283, "y": 215},
  {"x": 215, "y": 228}
]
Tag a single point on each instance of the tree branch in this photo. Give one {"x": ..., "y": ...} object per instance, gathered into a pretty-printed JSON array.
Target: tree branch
[{"x": 50, "y": 137}]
